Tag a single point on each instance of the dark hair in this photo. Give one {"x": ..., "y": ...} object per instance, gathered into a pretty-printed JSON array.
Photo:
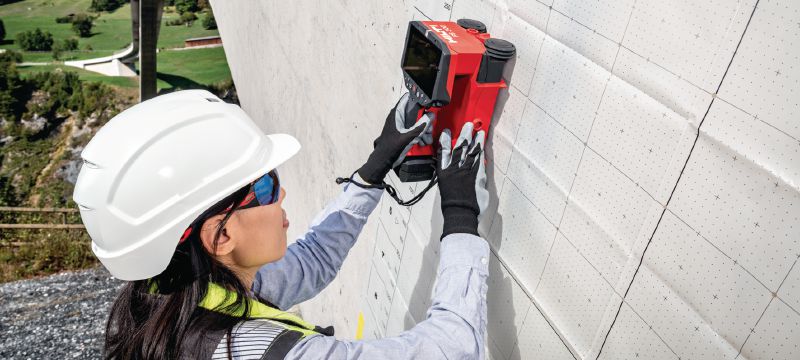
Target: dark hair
[{"x": 151, "y": 318}]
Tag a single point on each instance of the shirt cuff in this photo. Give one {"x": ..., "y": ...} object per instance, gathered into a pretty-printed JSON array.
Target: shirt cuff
[
  {"x": 359, "y": 200},
  {"x": 462, "y": 249}
]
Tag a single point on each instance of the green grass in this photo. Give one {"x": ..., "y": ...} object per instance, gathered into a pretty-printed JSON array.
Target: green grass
[
  {"x": 47, "y": 56},
  {"x": 119, "y": 81},
  {"x": 193, "y": 68},
  {"x": 44, "y": 7},
  {"x": 43, "y": 252},
  {"x": 173, "y": 36},
  {"x": 184, "y": 69},
  {"x": 111, "y": 33}
]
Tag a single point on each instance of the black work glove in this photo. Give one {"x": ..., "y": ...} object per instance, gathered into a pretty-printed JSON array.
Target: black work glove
[
  {"x": 462, "y": 181},
  {"x": 394, "y": 142}
]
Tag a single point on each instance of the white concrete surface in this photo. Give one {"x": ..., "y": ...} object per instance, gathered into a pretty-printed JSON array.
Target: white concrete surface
[
  {"x": 108, "y": 65},
  {"x": 645, "y": 169}
]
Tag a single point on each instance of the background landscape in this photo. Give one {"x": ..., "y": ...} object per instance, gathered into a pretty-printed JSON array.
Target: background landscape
[{"x": 49, "y": 111}]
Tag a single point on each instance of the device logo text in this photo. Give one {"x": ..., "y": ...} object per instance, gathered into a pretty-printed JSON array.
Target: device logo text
[{"x": 445, "y": 32}]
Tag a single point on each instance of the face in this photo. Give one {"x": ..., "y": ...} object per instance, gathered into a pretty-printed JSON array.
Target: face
[{"x": 254, "y": 236}]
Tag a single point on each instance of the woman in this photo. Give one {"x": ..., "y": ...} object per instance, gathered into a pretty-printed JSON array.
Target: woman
[{"x": 181, "y": 198}]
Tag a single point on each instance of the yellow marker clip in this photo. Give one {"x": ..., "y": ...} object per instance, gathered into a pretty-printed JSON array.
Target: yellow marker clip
[{"x": 360, "y": 326}]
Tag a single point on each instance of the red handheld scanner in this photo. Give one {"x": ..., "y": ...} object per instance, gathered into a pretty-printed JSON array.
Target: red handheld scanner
[{"x": 453, "y": 70}]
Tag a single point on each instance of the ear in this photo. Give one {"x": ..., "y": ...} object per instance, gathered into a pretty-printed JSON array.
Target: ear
[{"x": 225, "y": 243}]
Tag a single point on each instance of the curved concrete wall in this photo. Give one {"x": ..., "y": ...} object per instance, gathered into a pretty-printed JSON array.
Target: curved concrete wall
[
  {"x": 113, "y": 65},
  {"x": 644, "y": 169}
]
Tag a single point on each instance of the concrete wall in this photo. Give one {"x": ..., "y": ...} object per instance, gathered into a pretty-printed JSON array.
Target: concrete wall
[{"x": 644, "y": 169}]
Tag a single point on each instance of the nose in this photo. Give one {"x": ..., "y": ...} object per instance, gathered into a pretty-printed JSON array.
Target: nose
[{"x": 282, "y": 195}]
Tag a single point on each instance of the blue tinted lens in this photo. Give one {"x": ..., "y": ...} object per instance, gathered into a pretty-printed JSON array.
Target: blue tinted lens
[{"x": 267, "y": 188}]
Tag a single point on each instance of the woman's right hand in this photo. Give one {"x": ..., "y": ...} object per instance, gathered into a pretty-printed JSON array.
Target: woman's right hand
[
  {"x": 394, "y": 142},
  {"x": 462, "y": 180}
]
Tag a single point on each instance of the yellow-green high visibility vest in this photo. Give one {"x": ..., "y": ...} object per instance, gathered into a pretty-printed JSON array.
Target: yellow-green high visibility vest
[
  {"x": 218, "y": 298},
  {"x": 280, "y": 330}
]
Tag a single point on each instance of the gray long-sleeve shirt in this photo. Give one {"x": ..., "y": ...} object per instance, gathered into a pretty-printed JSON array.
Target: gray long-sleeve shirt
[{"x": 455, "y": 327}]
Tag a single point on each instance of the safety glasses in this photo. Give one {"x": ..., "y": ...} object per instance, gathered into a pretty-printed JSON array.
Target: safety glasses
[{"x": 265, "y": 190}]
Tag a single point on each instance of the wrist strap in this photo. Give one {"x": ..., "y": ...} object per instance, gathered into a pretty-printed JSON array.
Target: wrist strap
[
  {"x": 341, "y": 180},
  {"x": 389, "y": 188}
]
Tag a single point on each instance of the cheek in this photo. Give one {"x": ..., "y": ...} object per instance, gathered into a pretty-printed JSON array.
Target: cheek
[
  {"x": 272, "y": 235},
  {"x": 263, "y": 238}
]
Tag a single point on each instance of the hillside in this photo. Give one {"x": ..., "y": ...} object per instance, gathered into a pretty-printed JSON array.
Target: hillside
[
  {"x": 45, "y": 121},
  {"x": 193, "y": 68},
  {"x": 49, "y": 111}
]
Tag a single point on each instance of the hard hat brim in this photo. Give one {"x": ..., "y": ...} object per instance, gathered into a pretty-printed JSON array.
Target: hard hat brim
[{"x": 284, "y": 147}]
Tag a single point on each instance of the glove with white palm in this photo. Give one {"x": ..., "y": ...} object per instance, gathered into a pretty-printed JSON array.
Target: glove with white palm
[
  {"x": 462, "y": 180},
  {"x": 394, "y": 142}
]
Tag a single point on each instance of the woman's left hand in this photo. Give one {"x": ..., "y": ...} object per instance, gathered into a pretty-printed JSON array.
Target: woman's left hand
[{"x": 394, "y": 142}]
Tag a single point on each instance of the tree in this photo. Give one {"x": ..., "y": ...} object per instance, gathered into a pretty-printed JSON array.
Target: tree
[
  {"x": 106, "y": 5},
  {"x": 35, "y": 40},
  {"x": 66, "y": 19},
  {"x": 82, "y": 25},
  {"x": 209, "y": 22},
  {"x": 10, "y": 56},
  {"x": 2, "y": 31},
  {"x": 188, "y": 18},
  {"x": 65, "y": 45},
  {"x": 184, "y": 6},
  {"x": 70, "y": 44},
  {"x": 12, "y": 99}
]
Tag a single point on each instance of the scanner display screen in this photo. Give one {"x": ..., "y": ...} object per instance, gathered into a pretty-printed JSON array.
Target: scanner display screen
[{"x": 422, "y": 61}]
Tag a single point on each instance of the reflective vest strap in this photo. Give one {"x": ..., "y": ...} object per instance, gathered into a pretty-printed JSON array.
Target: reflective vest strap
[{"x": 217, "y": 298}]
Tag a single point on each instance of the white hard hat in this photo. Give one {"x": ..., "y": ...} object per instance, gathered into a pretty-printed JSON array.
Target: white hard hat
[{"x": 152, "y": 169}]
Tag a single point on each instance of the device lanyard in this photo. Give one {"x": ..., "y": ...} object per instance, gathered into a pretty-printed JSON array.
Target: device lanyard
[{"x": 390, "y": 189}]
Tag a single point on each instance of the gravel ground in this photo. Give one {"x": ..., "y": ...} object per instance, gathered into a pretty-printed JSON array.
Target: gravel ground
[{"x": 60, "y": 316}]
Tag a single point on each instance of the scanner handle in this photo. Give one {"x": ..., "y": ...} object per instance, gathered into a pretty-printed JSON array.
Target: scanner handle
[{"x": 411, "y": 112}]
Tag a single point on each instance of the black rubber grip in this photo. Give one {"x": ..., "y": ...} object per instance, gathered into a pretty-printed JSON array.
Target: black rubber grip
[{"x": 411, "y": 112}]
